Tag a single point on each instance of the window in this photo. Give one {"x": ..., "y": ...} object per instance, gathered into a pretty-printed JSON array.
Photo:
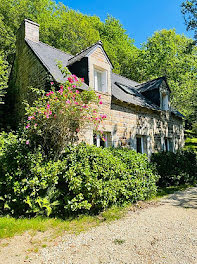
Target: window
[
  {"x": 99, "y": 142},
  {"x": 141, "y": 144},
  {"x": 168, "y": 144},
  {"x": 164, "y": 102},
  {"x": 100, "y": 80}
]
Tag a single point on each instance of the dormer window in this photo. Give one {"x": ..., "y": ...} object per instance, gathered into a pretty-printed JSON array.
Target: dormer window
[
  {"x": 100, "y": 80},
  {"x": 164, "y": 101}
]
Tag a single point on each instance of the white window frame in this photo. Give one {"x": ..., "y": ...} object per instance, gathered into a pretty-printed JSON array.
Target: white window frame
[
  {"x": 142, "y": 143},
  {"x": 165, "y": 101},
  {"x": 168, "y": 144},
  {"x": 98, "y": 140},
  {"x": 103, "y": 88}
]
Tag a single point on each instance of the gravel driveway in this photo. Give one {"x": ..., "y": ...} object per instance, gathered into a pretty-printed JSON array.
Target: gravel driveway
[{"x": 166, "y": 233}]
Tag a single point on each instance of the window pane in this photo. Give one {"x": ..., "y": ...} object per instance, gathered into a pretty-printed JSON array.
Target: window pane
[
  {"x": 94, "y": 139},
  {"x": 166, "y": 144},
  {"x": 139, "y": 145},
  {"x": 99, "y": 81}
]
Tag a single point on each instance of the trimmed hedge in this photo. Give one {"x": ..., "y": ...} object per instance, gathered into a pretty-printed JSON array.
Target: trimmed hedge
[
  {"x": 176, "y": 168},
  {"x": 86, "y": 179}
]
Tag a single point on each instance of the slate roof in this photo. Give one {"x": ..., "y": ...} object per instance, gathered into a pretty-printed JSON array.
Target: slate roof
[
  {"x": 151, "y": 85},
  {"x": 49, "y": 56},
  {"x": 123, "y": 88},
  {"x": 83, "y": 53}
]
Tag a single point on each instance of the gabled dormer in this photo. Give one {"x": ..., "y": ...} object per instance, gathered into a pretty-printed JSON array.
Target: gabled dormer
[
  {"x": 157, "y": 91},
  {"x": 94, "y": 66}
]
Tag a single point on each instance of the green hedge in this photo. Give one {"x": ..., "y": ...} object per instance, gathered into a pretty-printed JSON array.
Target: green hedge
[
  {"x": 86, "y": 179},
  {"x": 176, "y": 168}
]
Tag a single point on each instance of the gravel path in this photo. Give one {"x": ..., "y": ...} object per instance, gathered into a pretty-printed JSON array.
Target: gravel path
[{"x": 165, "y": 233}]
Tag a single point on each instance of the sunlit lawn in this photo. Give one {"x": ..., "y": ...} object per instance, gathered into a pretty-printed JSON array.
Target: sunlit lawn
[{"x": 10, "y": 226}]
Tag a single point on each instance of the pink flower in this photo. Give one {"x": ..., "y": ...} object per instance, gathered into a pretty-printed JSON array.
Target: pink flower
[
  {"x": 47, "y": 116},
  {"x": 74, "y": 86},
  {"x": 52, "y": 83},
  {"x": 68, "y": 101},
  {"x": 48, "y": 106},
  {"x": 100, "y": 102},
  {"x": 75, "y": 78},
  {"x": 50, "y": 113},
  {"x": 103, "y": 116},
  {"x": 99, "y": 96},
  {"x": 77, "y": 92},
  {"x": 61, "y": 87},
  {"x": 70, "y": 80},
  {"x": 30, "y": 117},
  {"x": 27, "y": 126},
  {"x": 76, "y": 103},
  {"x": 82, "y": 79},
  {"x": 27, "y": 142}
]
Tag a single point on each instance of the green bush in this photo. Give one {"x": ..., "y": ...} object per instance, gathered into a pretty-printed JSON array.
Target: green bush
[
  {"x": 27, "y": 180},
  {"x": 176, "y": 168},
  {"x": 86, "y": 179},
  {"x": 143, "y": 173}
]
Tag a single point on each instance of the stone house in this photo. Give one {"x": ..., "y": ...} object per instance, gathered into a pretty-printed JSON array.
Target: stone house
[{"x": 138, "y": 115}]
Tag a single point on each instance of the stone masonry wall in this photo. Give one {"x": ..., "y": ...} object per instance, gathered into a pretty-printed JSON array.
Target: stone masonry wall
[
  {"x": 126, "y": 121},
  {"x": 27, "y": 72}
]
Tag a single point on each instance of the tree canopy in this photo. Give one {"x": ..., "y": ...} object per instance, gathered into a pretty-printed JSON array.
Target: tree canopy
[
  {"x": 165, "y": 53},
  {"x": 189, "y": 10}
]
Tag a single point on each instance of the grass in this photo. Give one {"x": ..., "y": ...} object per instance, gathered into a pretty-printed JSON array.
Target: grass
[
  {"x": 170, "y": 190},
  {"x": 191, "y": 140},
  {"x": 10, "y": 226}
]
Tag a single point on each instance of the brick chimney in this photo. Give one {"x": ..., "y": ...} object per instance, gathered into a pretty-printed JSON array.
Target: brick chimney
[{"x": 28, "y": 30}]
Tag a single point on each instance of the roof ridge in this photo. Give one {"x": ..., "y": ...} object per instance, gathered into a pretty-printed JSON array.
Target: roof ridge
[
  {"x": 124, "y": 77},
  {"x": 98, "y": 42},
  {"x": 162, "y": 77},
  {"x": 57, "y": 49}
]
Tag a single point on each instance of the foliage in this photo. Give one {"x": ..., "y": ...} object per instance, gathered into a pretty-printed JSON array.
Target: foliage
[
  {"x": 169, "y": 54},
  {"x": 141, "y": 169},
  {"x": 165, "y": 53},
  {"x": 189, "y": 10},
  {"x": 176, "y": 168},
  {"x": 3, "y": 77},
  {"x": 86, "y": 179},
  {"x": 56, "y": 117},
  {"x": 191, "y": 140},
  {"x": 63, "y": 28}
]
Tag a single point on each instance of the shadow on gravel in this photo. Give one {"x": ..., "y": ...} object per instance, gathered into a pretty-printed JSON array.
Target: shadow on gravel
[{"x": 185, "y": 199}]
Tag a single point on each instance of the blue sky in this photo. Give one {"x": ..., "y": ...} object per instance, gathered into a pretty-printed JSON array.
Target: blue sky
[{"x": 141, "y": 18}]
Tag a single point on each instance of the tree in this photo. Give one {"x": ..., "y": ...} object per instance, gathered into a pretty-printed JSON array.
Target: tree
[
  {"x": 166, "y": 53},
  {"x": 189, "y": 10},
  {"x": 3, "y": 78}
]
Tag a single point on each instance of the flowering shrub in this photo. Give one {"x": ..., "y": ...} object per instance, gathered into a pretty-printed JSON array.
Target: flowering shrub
[{"x": 57, "y": 117}]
